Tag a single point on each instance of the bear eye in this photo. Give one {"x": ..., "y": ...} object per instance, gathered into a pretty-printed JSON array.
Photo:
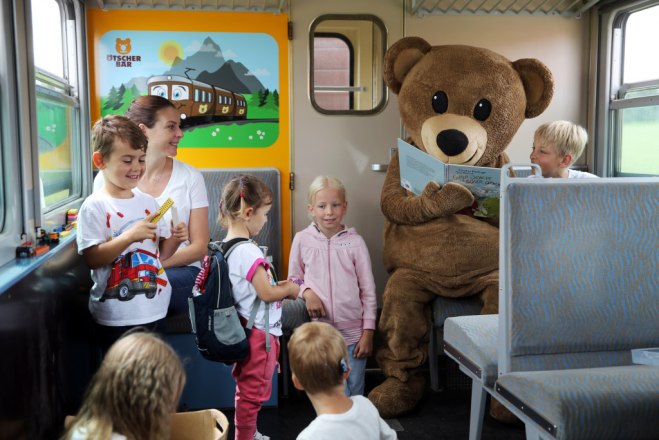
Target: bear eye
[
  {"x": 440, "y": 102},
  {"x": 482, "y": 110}
]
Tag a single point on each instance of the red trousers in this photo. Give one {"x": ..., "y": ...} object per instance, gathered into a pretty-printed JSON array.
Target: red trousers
[{"x": 253, "y": 378}]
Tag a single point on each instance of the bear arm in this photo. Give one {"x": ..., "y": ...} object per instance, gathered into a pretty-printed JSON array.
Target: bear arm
[{"x": 399, "y": 207}]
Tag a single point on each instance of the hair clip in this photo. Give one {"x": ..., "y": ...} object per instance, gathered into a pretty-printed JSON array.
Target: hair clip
[
  {"x": 241, "y": 182},
  {"x": 343, "y": 366},
  {"x": 220, "y": 206}
]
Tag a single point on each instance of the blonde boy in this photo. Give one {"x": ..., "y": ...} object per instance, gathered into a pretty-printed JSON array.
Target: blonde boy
[
  {"x": 556, "y": 146},
  {"x": 319, "y": 363}
]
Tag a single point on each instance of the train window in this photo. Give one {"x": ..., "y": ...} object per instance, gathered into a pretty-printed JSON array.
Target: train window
[
  {"x": 346, "y": 54},
  {"x": 634, "y": 111},
  {"x": 57, "y": 102}
]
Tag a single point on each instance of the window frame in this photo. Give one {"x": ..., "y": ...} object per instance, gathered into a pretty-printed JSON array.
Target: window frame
[
  {"x": 612, "y": 89},
  {"x": 12, "y": 209},
  {"x": 379, "y": 80},
  {"x": 18, "y": 130},
  {"x": 73, "y": 88}
]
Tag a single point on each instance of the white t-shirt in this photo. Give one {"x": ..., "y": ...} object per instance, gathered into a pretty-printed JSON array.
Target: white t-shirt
[
  {"x": 362, "y": 421},
  {"x": 81, "y": 434},
  {"x": 186, "y": 187},
  {"x": 243, "y": 262},
  {"x": 576, "y": 174},
  {"x": 571, "y": 174},
  {"x": 133, "y": 289}
]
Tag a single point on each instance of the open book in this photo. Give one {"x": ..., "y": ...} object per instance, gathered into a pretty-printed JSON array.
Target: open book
[{"x": 417, "y": 168}]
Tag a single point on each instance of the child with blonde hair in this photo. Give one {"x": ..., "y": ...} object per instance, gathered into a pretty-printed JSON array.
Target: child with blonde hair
[
  {"x": 556, "y": 146},
  {"x": 319, "y": 363},
  {"x": 133, "y": 394},
  {"x": 334, "y": 267},
  {"x": 244, "y": 209}
]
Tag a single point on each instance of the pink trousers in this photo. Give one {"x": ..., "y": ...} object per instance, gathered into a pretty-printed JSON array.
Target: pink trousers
[{"x": 253, "y": 378}]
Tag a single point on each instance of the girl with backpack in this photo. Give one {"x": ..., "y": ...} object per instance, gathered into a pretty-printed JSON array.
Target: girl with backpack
[{"x": 244, "y": 209}]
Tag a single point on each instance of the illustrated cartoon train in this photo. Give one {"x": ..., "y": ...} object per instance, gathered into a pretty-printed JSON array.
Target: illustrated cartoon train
[{"x": 198, "y": 101}]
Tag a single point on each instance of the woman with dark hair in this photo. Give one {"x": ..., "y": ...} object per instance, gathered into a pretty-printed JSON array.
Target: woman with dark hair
[{"x": 165, "y": 177}]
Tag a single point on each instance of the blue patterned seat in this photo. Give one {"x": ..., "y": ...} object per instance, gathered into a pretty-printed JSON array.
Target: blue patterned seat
[{"x": 579, "y": 290}]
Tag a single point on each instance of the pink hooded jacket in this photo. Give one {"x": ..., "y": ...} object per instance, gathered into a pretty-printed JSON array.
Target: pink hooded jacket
[{"x": 339, "y": 270}]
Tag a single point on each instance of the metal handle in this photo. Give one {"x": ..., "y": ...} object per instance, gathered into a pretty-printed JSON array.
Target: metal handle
[{"x": 379, "y": 167}]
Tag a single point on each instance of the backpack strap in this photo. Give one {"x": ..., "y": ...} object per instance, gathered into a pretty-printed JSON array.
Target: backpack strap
[{"x": 232, "y": 244}]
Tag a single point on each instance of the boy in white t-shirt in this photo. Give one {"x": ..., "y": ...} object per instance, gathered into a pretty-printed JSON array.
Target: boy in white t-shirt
[
  {"x": 118, "y": 239},
  {"x": 556, "y": 146},
  {"x": 319, "y": 364}
]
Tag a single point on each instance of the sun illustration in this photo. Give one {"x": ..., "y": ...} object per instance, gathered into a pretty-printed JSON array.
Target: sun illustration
[{"x": 170, "y": 52}]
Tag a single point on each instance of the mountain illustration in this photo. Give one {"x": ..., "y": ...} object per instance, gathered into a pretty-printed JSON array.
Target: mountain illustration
[
  {"x": 139, "y": 82},
  {"x": 208, "y": 58},
  {"x": 233, "y": 76}
]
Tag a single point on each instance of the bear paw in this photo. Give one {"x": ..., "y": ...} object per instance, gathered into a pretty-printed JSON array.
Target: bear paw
[
  {"x": 502, "y": 414},
  {"x": 394, "y": 397}
]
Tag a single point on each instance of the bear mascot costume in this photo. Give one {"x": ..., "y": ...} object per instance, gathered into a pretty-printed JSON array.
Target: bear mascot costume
[{"x": 462, "y": 105}]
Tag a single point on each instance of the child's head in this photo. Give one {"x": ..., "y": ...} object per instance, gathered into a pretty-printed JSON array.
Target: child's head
[
  {"x": 245, "y": 199},
  {"x": 160, "y": 121},
  {"x": 112, "y": 128},
  {"x": 327, "y": 204},
  {"x": 556, "y": 146},
  {"x": 134, "y": 391},
  {"x": 119, "y": 150},
  {"x": 318, "y": 357}
]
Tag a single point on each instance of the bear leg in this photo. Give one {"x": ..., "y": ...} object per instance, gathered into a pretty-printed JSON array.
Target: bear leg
[
  {"x": 490, "y": 299},
  {"x": 404, "y": 324},
  {"x": 502, "y": 414},
  {"x": 394, "y": 397}
]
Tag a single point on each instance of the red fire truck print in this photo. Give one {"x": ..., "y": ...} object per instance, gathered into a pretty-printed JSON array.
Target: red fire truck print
[{"x": 133, "y": 273}]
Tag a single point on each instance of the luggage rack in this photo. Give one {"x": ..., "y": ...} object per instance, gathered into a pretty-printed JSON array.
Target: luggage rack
[
  {"x": 274, "y": 6},
  {"x": 569, "y": 8}
]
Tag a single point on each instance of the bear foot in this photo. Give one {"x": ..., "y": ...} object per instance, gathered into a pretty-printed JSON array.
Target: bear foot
[
  {"x": 394, "y": 397},
  {"x": 502, "y": 414}
]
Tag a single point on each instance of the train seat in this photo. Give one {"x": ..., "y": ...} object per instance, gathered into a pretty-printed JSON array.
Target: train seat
[
  {"x": 443, "y": 308},
  {"x": 571, "y": 278}
]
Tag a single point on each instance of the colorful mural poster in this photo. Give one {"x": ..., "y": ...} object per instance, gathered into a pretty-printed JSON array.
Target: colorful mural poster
[{"x": 225, "y": 84}]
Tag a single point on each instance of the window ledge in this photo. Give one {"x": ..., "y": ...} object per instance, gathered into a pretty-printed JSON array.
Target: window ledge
[{"x": 18, "y": 268}]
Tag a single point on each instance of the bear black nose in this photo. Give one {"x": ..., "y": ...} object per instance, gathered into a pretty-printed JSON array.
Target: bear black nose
[{"x": 452, "y": 142}]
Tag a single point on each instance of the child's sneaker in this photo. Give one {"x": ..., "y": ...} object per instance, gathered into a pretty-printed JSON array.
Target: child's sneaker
[{"x": 259, "y": 436}]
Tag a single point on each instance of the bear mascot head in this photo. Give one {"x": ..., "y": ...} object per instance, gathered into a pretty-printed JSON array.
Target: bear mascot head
[{"x": 462, "y": 105}]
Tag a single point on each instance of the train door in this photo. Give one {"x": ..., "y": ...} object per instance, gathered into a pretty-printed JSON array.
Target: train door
[{"x": 344, "y": 121}]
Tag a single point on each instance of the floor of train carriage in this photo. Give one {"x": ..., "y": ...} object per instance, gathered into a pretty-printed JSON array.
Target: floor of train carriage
[{"x": 440, "y": 415}]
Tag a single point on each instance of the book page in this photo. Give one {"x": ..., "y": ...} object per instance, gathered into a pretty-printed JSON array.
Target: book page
[
  {"x": 484, "y": 183},
  {"x": 417, "y": 168}
]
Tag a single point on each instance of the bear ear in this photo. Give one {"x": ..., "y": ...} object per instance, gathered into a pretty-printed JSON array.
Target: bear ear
[
  {"x": 400, "y": 58},
  {"x": 538, "y": 85}
]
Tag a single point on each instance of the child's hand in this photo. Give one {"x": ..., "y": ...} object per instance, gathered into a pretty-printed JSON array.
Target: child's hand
[
  {"x": 364, "y": 347},
  {"x": 180, "y": 232},
  {"x": 143, "y": 229},
  {"x": 292, "y": 289},
  {"x": 314, "y": 304}
]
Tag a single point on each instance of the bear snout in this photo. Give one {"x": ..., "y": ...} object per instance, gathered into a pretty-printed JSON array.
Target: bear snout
[{"x": 452, "y": 142}]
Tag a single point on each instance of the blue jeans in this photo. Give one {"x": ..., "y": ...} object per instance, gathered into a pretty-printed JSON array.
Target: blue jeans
[
  {"x": 355, "y": 383},
  {"x": 181, "y": 279}
]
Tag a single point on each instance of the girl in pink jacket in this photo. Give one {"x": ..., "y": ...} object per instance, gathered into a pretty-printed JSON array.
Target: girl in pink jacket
[{"x": 334, "y": 268}]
